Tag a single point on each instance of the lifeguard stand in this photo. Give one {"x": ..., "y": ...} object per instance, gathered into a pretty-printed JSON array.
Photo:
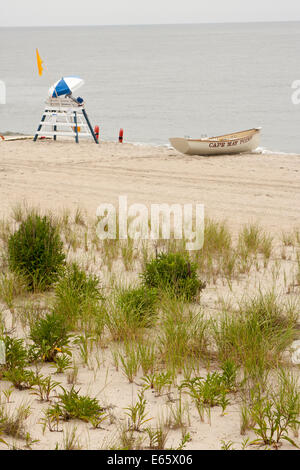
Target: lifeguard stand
[{"x": 65, "y": 116}]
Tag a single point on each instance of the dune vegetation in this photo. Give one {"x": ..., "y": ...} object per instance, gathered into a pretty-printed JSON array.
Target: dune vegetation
[{"x": 122, "y": 344}]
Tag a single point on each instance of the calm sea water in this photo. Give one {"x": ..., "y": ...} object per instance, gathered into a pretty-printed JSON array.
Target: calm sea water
[{"x": 158, "y": 82}]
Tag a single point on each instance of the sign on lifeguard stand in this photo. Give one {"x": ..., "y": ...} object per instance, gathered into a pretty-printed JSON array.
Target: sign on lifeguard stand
[{"x": 64, "y": 115}]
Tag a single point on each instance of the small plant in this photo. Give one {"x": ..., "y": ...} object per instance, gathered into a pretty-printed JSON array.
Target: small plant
[
  {"x": 157, "y": 437},
  {"x": 147, "y": 356},
  {"x": 275, "y": 413},
  {"x": 11, "y": 286},
  {"x": 227, "y": 445},
  {"x": 22, "y": 379},
  {"x": 65, "y": 218},
  {"x": 78, "y": 217},
  {"x": 85, "y": 343},
  {"x": 266, "y": 246},
  {"x": 35, "y": 251},
  {"x": 18, "y": 210},
  {"x": 229, "y": 374},
  {"x": 128, "y": 440},
  {"x": 251, "y": 237},
  {"x": 287, "y": 238},
  {"x": 209, "y": 392},
  {"x": 14, "y": 424},
  {"x": 62, "y": 363},
  {"x": 50, "y": 336},
  {"x": 71, "y": 405},
  {"x": 70, "y": 440},
  {"x": 7, "y": 393},
  {"x": 96, "y": 421},
  {"x": 51, "y": 419},
  {"x": 29, "y": 441},
  {"x": 175, "y": 274},
  {"x": 245, "y": 417},
  {"x": 179, "y": 415},
  {"x": 130, "y": 361},
  {"x": 186, "y": 437},
  {"x": 158, "y": 381},
  {"x": 44, "y": 387},
  {"x": 137, "y": 413},
  {"x": 16, "y": 353}
]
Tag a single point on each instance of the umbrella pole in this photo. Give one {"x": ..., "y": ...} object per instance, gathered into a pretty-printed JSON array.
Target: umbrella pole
[
  {"x": 40, "y": 126},
  {"x": 90, "y": 127}
]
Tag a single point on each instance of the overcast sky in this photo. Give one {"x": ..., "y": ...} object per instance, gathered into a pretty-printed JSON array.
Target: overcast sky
[{"x": 107, "y": 12}]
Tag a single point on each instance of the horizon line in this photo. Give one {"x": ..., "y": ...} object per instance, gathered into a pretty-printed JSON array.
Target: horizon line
[{"x": 148, "y": 24}]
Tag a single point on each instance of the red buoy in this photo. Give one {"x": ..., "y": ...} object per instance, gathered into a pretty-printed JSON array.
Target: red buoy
[
  {"x": 121, "y": 136},
  {"x": 96, "y": 132}
]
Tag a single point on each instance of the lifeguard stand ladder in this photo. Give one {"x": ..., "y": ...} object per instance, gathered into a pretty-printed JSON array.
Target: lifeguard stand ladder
[{"x": 65, "y": 117}]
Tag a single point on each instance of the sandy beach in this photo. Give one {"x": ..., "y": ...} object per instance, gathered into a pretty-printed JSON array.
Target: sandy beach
[{"x": 241, "y": 189}]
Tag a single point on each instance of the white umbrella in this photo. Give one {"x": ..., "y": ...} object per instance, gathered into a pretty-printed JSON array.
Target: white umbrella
[{"x": 65, "y": 86}]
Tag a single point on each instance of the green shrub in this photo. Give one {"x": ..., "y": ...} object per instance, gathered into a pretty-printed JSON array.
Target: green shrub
[
  {"x": 71, "y": 405},
  {"x": 75, "y": 292},
  {"x": 174, "y": 273},
  {"x": 35, "y": 251},
  {"x": 138, "y": 304},
  {"x": 16, "y": 353},
  {"x": 50, "y": 336}
]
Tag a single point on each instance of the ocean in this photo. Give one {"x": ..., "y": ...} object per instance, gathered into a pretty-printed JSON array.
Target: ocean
[{"x": 160, "y": 81}]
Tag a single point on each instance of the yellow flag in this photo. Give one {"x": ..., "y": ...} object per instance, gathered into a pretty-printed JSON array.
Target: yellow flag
[{"x": 39, "y": 62}]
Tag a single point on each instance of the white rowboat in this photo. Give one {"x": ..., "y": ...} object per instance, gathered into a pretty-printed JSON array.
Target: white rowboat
[{"x": 244, "y": 141}]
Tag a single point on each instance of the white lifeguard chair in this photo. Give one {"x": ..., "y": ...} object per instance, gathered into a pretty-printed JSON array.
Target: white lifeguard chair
[{"x": 65, "y": 115}]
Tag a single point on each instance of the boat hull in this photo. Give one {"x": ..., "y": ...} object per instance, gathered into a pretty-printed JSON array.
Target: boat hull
[{"x": 241, "y": 142}]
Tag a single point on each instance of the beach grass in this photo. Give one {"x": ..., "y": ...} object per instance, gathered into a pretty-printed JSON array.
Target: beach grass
[{"x": 199, "y": 332}]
